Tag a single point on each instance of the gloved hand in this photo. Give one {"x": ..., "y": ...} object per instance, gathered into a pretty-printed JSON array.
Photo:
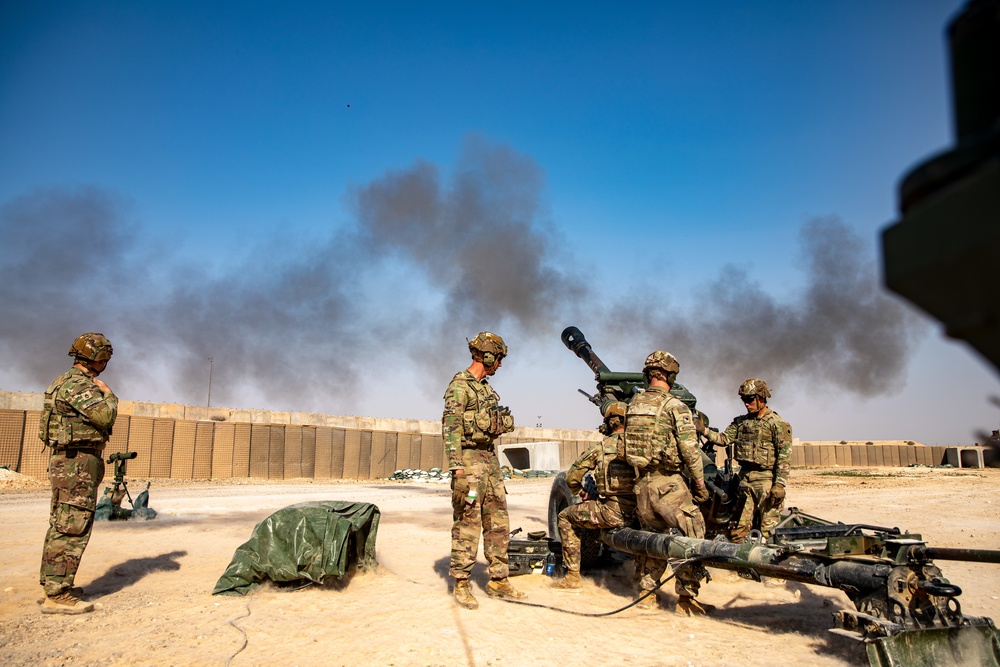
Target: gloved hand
[
  {"x": 459, "y": 489},
  {"x": 700, "y": 492},
  {"x": 777, "y": 493}
]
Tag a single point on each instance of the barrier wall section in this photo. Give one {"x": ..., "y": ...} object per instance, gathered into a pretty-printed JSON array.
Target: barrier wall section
[{"x": 210, "y": 449}]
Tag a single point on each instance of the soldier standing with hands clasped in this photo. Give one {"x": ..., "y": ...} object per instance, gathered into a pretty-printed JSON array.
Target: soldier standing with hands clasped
[
  {"x": 472, "y": 421},
  {"x": 76, "y": 421},
  {"x": 662, "y": 444},
  {"x": 763, "y": 450}
]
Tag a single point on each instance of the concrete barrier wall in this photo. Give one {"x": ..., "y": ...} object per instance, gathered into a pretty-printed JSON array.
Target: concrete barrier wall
[
  {"x": 185, "y": 449},
  {"x": 189, "y": 442},
  {"x": 864, "y": 455}
]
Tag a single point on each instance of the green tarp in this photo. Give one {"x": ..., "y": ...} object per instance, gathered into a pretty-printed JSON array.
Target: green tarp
[{"x": 308, "y": 541}]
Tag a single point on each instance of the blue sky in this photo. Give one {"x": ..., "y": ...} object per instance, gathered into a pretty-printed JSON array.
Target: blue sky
[{"x": 329, "y": 198}]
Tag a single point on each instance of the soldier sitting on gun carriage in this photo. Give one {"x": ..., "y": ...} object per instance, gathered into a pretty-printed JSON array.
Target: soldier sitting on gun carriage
[{"x": 610, "y": 502}]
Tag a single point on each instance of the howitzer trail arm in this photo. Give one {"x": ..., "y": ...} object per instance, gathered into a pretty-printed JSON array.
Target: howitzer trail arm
[{"x": 763, "y": 559}]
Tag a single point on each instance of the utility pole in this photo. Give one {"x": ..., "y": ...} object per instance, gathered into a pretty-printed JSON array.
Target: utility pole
[{"x": 209, "y": 403}]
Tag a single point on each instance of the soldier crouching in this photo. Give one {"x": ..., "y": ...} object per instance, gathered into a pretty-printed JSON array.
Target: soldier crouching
[{"x": 614, "y": 504}]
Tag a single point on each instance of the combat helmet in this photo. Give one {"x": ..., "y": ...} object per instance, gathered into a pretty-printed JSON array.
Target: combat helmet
[
  {"x": 615, "y": 409},
  {"x": 663, "y": 361},
  {"x": 754, "y": 387},
  {"x": 490, "y": 345},
  {"x": 91, "y": 347}
]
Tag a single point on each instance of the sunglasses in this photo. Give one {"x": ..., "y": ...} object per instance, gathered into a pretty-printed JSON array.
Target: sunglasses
[{"x": 749, "y": 399}]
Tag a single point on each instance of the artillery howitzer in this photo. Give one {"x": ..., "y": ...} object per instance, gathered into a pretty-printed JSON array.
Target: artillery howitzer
[
  {"x": 110, "y": 506},
  {"x": 907, "y": 613},
  {"x": 726, "y": 500}
]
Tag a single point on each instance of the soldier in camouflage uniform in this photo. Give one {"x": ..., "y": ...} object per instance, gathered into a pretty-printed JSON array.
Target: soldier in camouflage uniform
[
  {"x": 662, "y": 444},
  {"x": 614, "y": 506},
  {"x": 472, "y": 421},
  {"x": 76, "y": 421},
  {"x": 763, "y": 450}
]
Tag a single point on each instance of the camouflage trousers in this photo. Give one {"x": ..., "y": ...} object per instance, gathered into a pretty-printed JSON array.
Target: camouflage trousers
[
  {"x": 486, "y": 516},
  {"x": 589, "y": 515},
  {"x": 664, "y": 502},
  {"x": 759, "y": 511},
  {"x": 75, "y": 477}
]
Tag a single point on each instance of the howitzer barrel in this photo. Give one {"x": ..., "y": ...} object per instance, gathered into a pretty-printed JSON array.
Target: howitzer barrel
[
  {"x": 946, "y": 553},
  {"x": 574, "y": 339}
]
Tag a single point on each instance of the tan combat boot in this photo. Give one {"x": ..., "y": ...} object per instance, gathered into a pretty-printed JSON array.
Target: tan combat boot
[
  {"x": 572, "y": 580},
  {"x": 76, "y": 592},
  {"x": 688, "y": 606},
  {"x": 463, "y": 595},
  {"x": 648, "y": 603},
  {"x": 501, "y": 588},
  {"x": 65, "y": 603}
]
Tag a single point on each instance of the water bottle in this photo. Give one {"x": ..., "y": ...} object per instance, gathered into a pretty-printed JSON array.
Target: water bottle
[{"x": 550, "y": 565}]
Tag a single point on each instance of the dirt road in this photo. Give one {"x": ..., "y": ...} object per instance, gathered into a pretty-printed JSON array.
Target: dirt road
[{"x": 152, "y": 584}]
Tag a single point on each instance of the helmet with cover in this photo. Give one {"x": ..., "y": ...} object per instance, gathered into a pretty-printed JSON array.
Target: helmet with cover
[
  {"x": 663, "y": 361},
  {"x": 490, "y": 346},
  {"x": 614, "y": 417},
  {"x": 91, "y": 347},
  {"x": 754, "y": 387},
  {"x": 615, "y": 411},
  {"x": 661, "y": 364}
]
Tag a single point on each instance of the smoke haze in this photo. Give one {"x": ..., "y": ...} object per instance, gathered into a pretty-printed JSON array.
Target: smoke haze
[
  {"x": 842, "y": 331},
  {"x": 428, "y": 261}
]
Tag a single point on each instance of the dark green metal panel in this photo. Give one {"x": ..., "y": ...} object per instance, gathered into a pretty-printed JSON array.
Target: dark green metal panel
[{"x": 965, "y": 646}]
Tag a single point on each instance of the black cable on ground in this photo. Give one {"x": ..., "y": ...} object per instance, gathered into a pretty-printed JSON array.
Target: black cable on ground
[
  {"x": 232, "y": 622},
  {"x": 684, "y": 563}
]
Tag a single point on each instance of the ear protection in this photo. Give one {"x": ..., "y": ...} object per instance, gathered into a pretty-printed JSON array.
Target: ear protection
[{"x": 489, "y": 359}]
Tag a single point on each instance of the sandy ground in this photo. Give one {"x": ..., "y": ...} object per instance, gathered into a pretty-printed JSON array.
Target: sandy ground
[{"x": 152, "y": 584}]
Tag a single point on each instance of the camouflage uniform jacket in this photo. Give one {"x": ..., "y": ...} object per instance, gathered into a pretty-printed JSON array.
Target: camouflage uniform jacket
[
  {"x": 76, "y": 412},
  {"x": 763, "y": 442},
  {"x": 470, "y": 417},
  {"x": 660, "y": 435},
  {"x": 614, "y": 476}
]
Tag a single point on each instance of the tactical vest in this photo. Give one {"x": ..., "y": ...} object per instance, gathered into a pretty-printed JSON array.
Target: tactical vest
[
  {"x": 755, "y": 441},
  {"x": 484, "y": 420},
  {"x": 614, "y": 475},
  {"x": 650, "y": 441},
  {"x": 61, "y": 427}
]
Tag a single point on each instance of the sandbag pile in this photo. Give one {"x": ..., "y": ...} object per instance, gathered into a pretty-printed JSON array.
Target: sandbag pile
[{"x": 416, "y": 475}]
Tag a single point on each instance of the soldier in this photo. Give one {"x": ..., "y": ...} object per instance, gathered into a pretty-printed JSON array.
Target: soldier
[
  {"x": 76, "y": 421},
  {"x": 763, "y": 451},
  {"x": 473, "y": 419},
  {"x": 613, "y": 507},
  {"x": 662, "y": 444}
]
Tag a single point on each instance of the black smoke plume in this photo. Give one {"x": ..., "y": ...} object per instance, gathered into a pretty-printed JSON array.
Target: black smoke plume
[
  {"x": 427, "y": 260},
  {"x": 842, "y": 330}
]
